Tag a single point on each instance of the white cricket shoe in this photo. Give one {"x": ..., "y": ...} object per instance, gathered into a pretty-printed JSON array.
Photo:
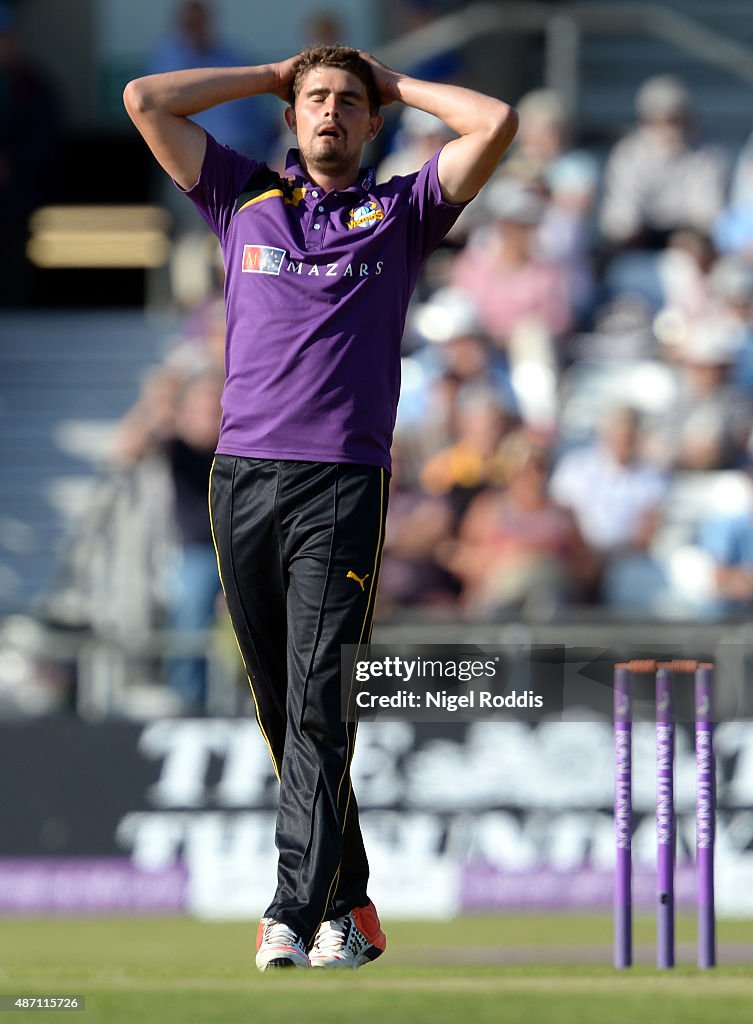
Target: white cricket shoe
[
  {"x": 279, "y": 946},
  {"x": 349, "y": 941}
]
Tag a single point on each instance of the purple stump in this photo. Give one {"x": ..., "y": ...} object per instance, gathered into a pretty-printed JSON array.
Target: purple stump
[
  {"x": 705, "y": 814},
  {"x": 665, "y": 820},
  {"x": 623, "y": 817}
]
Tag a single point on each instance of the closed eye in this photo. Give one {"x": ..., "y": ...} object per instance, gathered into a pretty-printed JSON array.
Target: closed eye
[{"x": 346, "y": 96}]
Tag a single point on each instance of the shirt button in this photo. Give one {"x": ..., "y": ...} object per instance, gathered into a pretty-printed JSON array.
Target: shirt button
[
  {"x": 321, "y": 209},
  {"x": 315, "y": 195},
  {"x": 317, "y": 227}
]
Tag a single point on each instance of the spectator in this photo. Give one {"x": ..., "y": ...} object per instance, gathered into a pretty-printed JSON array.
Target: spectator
[
  {"x": 29, "y": 135},
  {"x": 661, "y": 177},
  {"x": 566, "y": 233},
  {"x": 470, "y": 464},
  {"x": 616, "y": 498},
  {"x": 454, "y": 343},
  {"x": 708, "y": 423},
  {"x": 151, "y": 421},
  {"x": 542, "y": 158},
  {"x": 501, "y": 271},
  {"x": 448, "y": 354},
  {"x": 519, "y": 553},
  {"x": 194, "y": 585},
  {"x": 543, "y": 149},
  {"x": 177, "y": 418},
  {"x": 115, "y": 565}
]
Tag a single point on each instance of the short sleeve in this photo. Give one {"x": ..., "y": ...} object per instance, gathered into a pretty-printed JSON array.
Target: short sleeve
[
  {"x": 220, "y": 182},
  {"x": 432, "y": 215}
]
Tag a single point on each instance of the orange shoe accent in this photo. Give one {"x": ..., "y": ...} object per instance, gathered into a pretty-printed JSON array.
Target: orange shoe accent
[
  {"x": 259, "y": 935},
  {"x": 367, "y": 922}
]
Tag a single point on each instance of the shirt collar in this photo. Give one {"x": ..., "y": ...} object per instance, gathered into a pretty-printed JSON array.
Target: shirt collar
[{"x": 364, "y": 183}]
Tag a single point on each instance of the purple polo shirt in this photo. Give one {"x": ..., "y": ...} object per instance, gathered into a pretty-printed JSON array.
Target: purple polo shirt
[{"x": 316, "y": 289}]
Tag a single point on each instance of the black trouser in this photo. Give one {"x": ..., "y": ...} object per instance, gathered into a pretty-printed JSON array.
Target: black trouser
[{"x": 299, "y": 546}]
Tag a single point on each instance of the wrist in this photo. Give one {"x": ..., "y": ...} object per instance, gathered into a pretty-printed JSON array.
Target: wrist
[
  {"x": 271, "y": 77},
  {"x": 396, "y": 92}
]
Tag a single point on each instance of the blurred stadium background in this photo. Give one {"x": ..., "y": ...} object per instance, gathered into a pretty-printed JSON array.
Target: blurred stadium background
[{"x": 573, "y": 455}]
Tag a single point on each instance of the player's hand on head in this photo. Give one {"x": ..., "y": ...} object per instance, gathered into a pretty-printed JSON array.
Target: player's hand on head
[
  {"x": 386, "y": 79},
  {"x": 285, "y": 73}
]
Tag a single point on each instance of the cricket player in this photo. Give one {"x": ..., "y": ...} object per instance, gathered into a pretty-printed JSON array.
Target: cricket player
[{"x": 320, "y": 265}]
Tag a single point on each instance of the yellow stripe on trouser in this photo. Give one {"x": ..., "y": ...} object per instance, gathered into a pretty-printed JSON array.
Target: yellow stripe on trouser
[
  {"x": 351, "y": 747},
  {"x": 240, "y": 649}
]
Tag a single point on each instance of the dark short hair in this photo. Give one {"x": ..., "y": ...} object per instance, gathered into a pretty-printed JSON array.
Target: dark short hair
[{"x": 344, "y": 57}]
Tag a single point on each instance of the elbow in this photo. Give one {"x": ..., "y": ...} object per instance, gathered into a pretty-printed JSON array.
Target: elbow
[
  {"x": 506, "y": 123},
  {"x": 501, "y": 128},
  {"x": 136, "y": 97}
]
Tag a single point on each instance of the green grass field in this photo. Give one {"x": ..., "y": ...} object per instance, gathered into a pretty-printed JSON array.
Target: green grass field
[{"x": 553, "y": 970}]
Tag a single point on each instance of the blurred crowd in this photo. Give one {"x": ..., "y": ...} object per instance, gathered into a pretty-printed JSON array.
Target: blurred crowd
[
  {"x": 577, "y": 378},
  {"x": 576, "y": 423}
]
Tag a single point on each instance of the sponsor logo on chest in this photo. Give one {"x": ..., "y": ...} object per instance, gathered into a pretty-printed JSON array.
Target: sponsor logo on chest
[{"x": 262, "y": 259}]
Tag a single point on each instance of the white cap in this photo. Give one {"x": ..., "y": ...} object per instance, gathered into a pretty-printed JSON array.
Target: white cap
[
  {"x": 710, "y": 343},
  {"x": 418, "y": 123},
  {"x": 510, "y": 201},
  {"x": 447, "y": 315}
]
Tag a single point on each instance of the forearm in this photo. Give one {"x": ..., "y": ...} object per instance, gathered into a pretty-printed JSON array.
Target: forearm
[
  {"x": 184, "y": 93},
  {"x": 161, "y": 107}
]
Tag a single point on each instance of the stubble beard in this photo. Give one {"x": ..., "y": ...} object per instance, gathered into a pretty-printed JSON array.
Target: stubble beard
[{"x": 334, "y": 160}]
